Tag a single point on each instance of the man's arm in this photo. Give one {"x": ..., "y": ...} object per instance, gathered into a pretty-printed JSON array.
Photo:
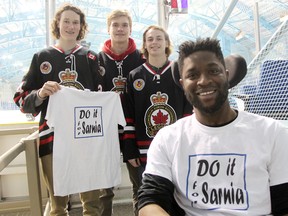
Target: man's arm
[
  {"x": 130, "y": 149},
  {"x": 152, "y": 210},
  {"x": 155, "y": 197},
  {"x": 279, "y": 199}
]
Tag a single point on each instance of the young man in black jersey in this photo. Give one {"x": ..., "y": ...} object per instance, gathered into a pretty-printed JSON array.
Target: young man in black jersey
[
  {"x": 153, "y": 100},
  {"x": 65, "y": 63},
  {"x": 118, "y": 57}
]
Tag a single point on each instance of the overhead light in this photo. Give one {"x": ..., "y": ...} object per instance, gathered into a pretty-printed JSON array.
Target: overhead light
[{"x": 239, "y": 35}]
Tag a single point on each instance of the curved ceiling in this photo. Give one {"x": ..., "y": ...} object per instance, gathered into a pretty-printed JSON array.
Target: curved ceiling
[{"x": 23, "y": 26}]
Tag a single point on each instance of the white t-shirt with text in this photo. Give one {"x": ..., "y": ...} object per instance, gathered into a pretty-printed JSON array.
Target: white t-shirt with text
[
  {"x": 224, "y": 170},
  {"x": 86, "y": 151}
]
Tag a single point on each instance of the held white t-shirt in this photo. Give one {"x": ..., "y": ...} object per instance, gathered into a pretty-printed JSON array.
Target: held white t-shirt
[{"x": 86, "y": 151}]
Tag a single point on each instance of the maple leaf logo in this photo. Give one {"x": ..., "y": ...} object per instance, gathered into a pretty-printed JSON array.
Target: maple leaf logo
[{"x": 160, "y": 118}]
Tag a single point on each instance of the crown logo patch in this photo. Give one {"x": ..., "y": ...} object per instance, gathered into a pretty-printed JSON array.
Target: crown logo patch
[
  {"x": 119, "y": 84},
  {"x": 159, "y": 98},
  {"x": 69, "y": 78}
]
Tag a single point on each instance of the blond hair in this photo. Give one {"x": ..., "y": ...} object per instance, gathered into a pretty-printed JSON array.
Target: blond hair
[{"x": 118, "y": 13}]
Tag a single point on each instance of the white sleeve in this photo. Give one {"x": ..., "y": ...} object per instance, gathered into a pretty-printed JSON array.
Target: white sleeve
[
  {"x": 120, "y": 113},
  {"x": 278, "y": 168},
  {"x": 158, "y": 161},
  {"x": 51, "y": 110}
]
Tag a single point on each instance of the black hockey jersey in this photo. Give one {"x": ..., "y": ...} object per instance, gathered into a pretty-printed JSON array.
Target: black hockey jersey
[
  {"x": 153, "y": 100},
  {"x": 78, "y": 69},
  {"x": 117, "y": 67}
]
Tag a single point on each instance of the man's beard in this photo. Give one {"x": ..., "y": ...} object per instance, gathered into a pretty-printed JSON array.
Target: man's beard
[{"x": 220, "y": 100}]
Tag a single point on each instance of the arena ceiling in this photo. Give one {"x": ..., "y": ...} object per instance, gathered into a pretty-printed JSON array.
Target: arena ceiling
[{"x": 243, "y": 26}]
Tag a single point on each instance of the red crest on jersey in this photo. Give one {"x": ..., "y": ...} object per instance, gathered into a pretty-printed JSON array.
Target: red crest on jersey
[{"x": 45, "y": 67}]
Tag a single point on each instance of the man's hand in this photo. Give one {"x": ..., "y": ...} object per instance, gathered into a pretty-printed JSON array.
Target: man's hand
[
  {"x": 135, "y": 162},
  {"x": 49, "y": 88},
  {"x": 152, "y": 210}
]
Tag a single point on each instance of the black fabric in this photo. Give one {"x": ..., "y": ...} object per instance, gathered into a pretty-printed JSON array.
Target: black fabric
[
  {"x": 176, "y": 73},
  {"x": 148, "y": 92},
  {"x": 113, "y": 69},
  {"x": 279, "y": 199},
  {"x": 237, "y": 67},
  {"x": 158, "y": 190}
]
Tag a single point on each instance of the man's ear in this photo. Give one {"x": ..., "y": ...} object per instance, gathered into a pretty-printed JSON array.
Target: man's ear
[
  {"x": 227, "y": 73},
  {"x": 228, "y": 79},
  {"x": 181, "y": 82}
]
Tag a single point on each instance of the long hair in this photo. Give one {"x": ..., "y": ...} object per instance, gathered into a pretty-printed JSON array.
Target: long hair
[
  {"x": 55, "y": 23},
  {"x": 168, "y": 49}
]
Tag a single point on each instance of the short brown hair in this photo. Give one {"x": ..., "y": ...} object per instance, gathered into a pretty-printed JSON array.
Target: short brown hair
[
  {"x": 55, "y": 22},
  {"x": 187, "y": 48}
]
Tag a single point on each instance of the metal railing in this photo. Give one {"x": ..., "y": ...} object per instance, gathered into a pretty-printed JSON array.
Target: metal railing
[{"x": 29, "y": 145}]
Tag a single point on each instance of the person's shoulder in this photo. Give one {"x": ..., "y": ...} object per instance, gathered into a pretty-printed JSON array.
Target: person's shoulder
[
  {"x": 85, "y": 49},
  {"x": 249, "y": 115},
  {"x": 91, "y": 54},
  {"x": 101, "y": 53},
  {"x": 137, "y": 53},
  {"x": 47, "y": 52},
  {"x": 103, "y": 56},
  {"x": 48, "y": 49},
  {"x": 179, "y": 125},
  {"x": 184, "y": 121},
  {"x": 174, "y": 131},
  {"x": 92, "y": 51},
  {"x": 137, "y": 70},
  {"x": 259, "y": 120}
]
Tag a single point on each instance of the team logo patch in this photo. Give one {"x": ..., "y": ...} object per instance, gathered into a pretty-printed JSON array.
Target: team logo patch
[
  {"x": 138, "y": 84},
  {"x": 45, "y": 67},
  {"x": 119, "y": 84},
  {"x": 69, "y": 78},
  {"x": 159, "y": 114},
  {"x": 102, "y": 70}
]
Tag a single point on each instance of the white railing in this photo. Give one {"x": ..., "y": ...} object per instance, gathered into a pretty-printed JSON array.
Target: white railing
[{"x": 29, "y": 145}]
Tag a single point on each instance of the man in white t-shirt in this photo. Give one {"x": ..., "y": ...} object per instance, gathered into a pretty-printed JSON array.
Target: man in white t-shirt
[{"x": 218, "y": 161}]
